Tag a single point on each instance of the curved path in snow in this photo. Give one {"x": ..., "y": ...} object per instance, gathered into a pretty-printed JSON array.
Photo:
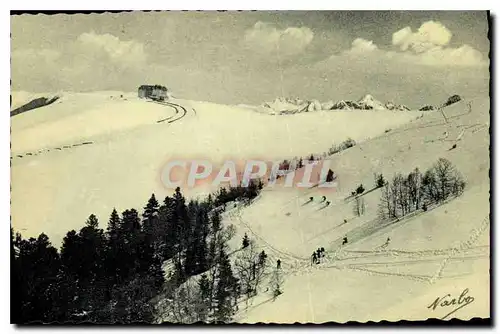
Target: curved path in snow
[{"x": 178, "y": 109}]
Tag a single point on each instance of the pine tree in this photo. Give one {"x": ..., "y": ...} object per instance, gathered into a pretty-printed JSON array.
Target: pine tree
[
  {"x": 151, "y": 209},
  {"x": 113, "y": 225},
  {"x": 379, "y": 180},
  {"x": 300, "y": 164},
  {"x": 204, "y": 298},
  {"x": 153, "y": 234},
  {"x": 277, "y": 283},
  {"x": 15, "y": 278},
  {"x": 196, "y": 249},
  {"x": 112, "y": 249},
  {"x": 222, "y": 197},
  {"x": 210, "y": 202},
  {"x": 329, "y": 176},
  {"x": 226, "y": 292},
  {"x": 252, "y": 190},
  {"x": 262, "y": 258},
  {"x": 39, "y": 263},
  {"x": 92, "y": 222},
  {"x": 129, "y": 241},
  {"x": 181, "y": 226},
  {"x": 168, "y": 236},
  {"x": 93, "y": 284}
]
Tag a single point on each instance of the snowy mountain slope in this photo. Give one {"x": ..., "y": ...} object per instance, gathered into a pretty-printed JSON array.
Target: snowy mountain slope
[
  {"x": 122, "y": 164},
  {"x": 79, "y": 117},
  {"x": 363, "y": 281}
]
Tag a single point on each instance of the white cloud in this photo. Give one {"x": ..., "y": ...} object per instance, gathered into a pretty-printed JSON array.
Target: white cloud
[
  {"x": 429, "y": 35},
  {"x": 362, "y": 46},
  {"x": 266, "y": 38},
  {"x": 125, "y": 53},
  {"x": 427, "y": 47},
  {"x": 464, "y": 56},
  {"x": 365, "y": 55}
]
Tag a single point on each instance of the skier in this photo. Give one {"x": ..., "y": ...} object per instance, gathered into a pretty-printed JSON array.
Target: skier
[
  {"x": 386, "y": 243},
  {"x": 317, "y": 256},
  {"x": 327, "y": 203},
  {"x": 344, "y": 241},
  {"x": 310, "y": 199},
  {"x": 278, "y": 264},
  {"x": 324, "y": 198},
  {"x": 345, "y": 221},
  {"x": 322, "y": 251},
  {"x": 313, "y": 258}
]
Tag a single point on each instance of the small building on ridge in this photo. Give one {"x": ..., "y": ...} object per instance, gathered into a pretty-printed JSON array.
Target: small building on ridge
[{"x": 154, "y": 92}]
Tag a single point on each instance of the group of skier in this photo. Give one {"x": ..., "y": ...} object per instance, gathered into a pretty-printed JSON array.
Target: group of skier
[
  {"x": 316, "y": 255},
  {"x": 323, "y": 199}
]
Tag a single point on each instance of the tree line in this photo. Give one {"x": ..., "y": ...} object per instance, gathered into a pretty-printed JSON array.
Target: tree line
[
  {"x": 405, "y": 194},
  {"x": 117, "y": 274}
]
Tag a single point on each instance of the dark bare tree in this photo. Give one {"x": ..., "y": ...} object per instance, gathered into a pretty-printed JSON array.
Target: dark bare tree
[
  {"x": 359, "y": 206},
  {"x": 250, "y": 268}
]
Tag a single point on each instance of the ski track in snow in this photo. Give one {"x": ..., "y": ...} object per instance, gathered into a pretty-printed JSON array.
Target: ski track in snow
[
  {"x": 394, "y": 253},
  {"x": 385, "y": 259},
  {"x": 371, "y": 262},
  {"x": 174, "y": 106}
]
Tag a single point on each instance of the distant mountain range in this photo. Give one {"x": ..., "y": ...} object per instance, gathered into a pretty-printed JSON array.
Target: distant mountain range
[{"x": 283, "y": 106}]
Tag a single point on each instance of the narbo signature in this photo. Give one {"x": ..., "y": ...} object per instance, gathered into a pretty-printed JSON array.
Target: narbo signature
[{"x": 448, "y": 300}]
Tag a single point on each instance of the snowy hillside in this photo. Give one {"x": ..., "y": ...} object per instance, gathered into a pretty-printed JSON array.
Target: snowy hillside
[
  {"x": 92, "y": 152},
  {"x": 427, "y": 251}
]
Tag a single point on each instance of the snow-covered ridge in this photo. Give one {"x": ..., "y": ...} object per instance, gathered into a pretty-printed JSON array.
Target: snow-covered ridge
[
  {"x": 283, "y": 105},
  {"x": 129, "y": 148}
]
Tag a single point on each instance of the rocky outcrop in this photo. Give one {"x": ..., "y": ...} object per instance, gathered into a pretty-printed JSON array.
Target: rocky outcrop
[
  {"x": 346, "y": 105},
  {"x": 426, "y": 108},
  {"x": 397, "y": 107},
  {"x": 451, "y": 100},
  {"x": 368, "y": 102},
  {"x": 33, "y": 104}
]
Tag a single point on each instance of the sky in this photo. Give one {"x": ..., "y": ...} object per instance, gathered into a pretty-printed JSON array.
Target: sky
[{"x": 413, "y": 58}]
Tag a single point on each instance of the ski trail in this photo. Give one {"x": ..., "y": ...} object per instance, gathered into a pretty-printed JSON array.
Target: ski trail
[{"x": 474, "y": 235}]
